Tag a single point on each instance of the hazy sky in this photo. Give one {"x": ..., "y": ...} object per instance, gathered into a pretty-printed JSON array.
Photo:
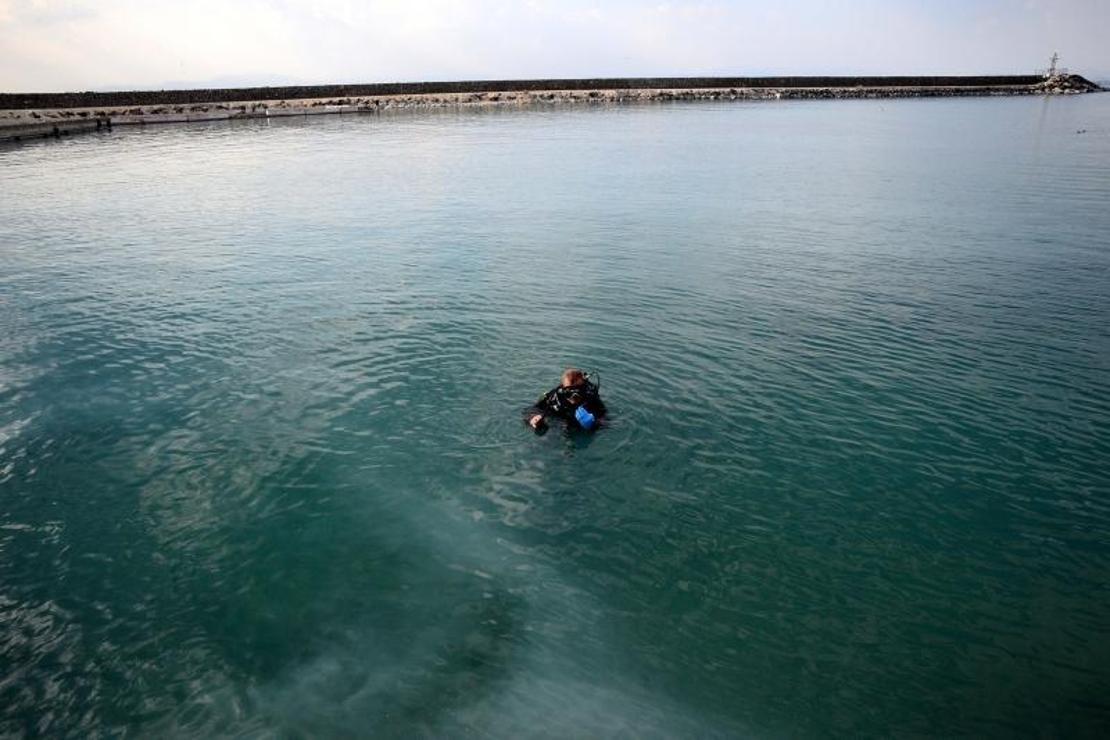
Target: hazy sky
[{"x": 53, "y": 45}]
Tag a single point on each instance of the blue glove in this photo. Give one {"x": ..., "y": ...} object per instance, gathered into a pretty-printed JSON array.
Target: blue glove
[{"x": 585, "y": 419}]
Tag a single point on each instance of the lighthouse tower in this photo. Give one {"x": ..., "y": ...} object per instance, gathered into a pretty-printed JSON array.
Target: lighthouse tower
[{"x": 1051, "y": 71}]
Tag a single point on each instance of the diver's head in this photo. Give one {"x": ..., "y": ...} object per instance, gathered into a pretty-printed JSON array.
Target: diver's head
[{"x": 572, "y": 377}]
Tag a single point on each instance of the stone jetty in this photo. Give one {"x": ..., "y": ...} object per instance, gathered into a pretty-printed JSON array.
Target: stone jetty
[{"x": 36, "y": 115}]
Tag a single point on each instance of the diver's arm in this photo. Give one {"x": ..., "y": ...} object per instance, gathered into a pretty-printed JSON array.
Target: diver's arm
[
  {"x": 536, "y": 414},
  {"x": 535, "y": 417},
  {"x": 532, "y": 412}
]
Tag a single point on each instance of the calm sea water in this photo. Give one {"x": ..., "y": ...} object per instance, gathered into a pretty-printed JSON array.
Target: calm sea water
[{"x": 263, "y": 471}]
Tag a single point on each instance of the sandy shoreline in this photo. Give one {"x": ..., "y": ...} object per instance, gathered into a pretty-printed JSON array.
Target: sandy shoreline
[{"x": 19, "y": 124}]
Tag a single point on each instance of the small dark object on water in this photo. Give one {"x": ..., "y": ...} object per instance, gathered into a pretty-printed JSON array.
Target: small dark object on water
[{"x": 576, "y": 400}]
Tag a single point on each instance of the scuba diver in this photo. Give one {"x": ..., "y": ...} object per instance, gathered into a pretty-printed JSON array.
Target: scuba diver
[{"x": 576, "y": 399}]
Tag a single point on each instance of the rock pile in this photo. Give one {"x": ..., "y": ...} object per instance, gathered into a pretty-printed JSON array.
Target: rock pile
[{"x": 1066, "y": 85}]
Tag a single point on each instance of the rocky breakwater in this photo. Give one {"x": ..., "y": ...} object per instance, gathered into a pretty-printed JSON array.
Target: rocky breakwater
[
  {"x": 56, "y": 115},
  {"x": 1066, "y": 85}
]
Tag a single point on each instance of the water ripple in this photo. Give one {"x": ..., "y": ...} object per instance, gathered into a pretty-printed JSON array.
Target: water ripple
[{"x": 263, "y": 468}]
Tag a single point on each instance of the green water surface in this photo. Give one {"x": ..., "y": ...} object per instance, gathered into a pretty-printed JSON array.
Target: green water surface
[{"x": 263, "y": 471}]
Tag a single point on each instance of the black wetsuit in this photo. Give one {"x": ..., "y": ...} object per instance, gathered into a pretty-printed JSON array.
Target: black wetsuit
[{"x": 564, "y": 402}]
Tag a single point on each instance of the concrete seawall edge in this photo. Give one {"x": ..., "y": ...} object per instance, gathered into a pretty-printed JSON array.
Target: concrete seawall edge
[{"x": 18, "y": 124}]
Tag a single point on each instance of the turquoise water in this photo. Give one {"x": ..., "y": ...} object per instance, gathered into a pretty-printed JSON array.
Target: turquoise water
[{"x": 263, "y": 471}]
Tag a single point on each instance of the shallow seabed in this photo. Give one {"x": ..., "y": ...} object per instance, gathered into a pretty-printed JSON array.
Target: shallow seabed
[{"x": 262, "y": 468}]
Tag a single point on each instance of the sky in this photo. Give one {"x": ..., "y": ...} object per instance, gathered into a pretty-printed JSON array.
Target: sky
[{"x": 66, "y": 45}]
